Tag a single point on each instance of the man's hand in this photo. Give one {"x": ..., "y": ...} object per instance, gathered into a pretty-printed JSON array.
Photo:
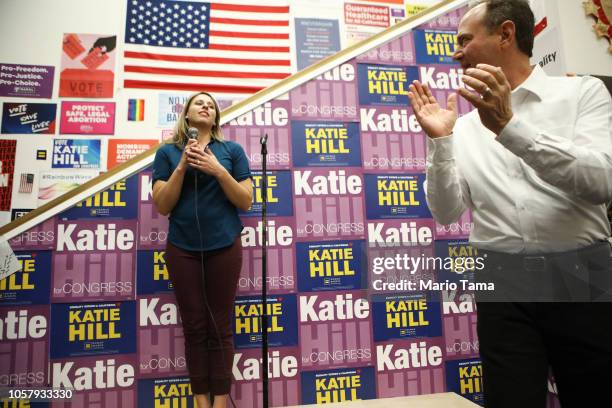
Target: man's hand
[
  {"x": 434, "y": 120},
  {"x": 493, "y": 103}
]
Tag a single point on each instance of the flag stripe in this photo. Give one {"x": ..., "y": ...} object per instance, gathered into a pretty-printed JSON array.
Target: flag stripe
[
  {"x": 208, "y": 66},
  {"x": 215, "y": 60},
  {"x": 179, "y": 79},
  {"x": 249, "y": 29},
  {"x": 269, "y": 42},
  {"x": 252, "y": 9},
  {"x": 220, "y": 33},
  {"x": 200, "y": 72},
  {"x": 249, "y": 22},
  {"x": 130, "y": 83},
  {"x": 247, "y": 48},
  {"x": 249, "y": 16},
  {"x": 400, "y": 2}
]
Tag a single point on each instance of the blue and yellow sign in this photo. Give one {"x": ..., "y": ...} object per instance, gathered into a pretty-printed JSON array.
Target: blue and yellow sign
[
  {"x": 279, "y": 194},
  {"x": 118, "y": 202},
  {"x": 325, "y": 144},
  {"x": 459, "y": 260},
  {"x": 395, "y": 196},
  {"x": 405, "y": 316},
  {"x": 338, "y": 385},
  {"x": 81, "y": 329},
  {"x": 331, "y": 265},
  {"x": 166, "y": 392},
  {"x": 31, "y": 284},
  {"x": 282, "y": 322},
  {"x": 152, "y": 272},
  {"x": 435, "y": 46},
  {"x": 464, "y": 377},
  {"x": 385, "y": 84}
]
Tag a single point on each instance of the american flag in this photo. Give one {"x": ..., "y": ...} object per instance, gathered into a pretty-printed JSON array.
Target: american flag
[
  {"x": 26, "y": 182},
  {"x": 220, "y": 47}
]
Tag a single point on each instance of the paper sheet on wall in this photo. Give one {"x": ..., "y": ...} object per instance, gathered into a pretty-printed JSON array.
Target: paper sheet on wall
[{"x": 8, "y": 261}]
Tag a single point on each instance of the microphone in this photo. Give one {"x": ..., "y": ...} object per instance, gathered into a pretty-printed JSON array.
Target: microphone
[
  {"x": 192, "y": 133},
  {"x": 264, "y": 144}
]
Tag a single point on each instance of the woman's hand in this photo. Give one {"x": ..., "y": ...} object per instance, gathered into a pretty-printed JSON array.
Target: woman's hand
[
  {"x": 205, "y": 161},
  {"x": 184, "y": 163}
]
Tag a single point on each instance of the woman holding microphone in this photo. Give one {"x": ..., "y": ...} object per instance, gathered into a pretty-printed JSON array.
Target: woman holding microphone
[{"x": 201, "y": 181}]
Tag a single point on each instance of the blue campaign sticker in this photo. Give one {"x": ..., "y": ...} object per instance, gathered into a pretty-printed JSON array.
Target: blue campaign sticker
[
  {"x": 414, "y": 315},
  {"x": 458, "y": 260},
  {"x": 82, "y": 329},
  {"x": 282, "y": 321},
  {"x": 152, "y": 272},
  {"x": 395, "y": 196},
  {"x": 75, "y": 154},
  {"x": 338, "y": 385},
  {"x": 118, "y": 202},
  {"x": 385, "y": 84},
  {"x": 279, "y": 194},
  {"x": 435, "y": 46},
  {"x": 326, "y": 144},
  {"x": 464, "y": 377},
  {"x": 31, "y": 284},
  {"x": 165, "y": 392},
  {"x": 331, "y": 265}
]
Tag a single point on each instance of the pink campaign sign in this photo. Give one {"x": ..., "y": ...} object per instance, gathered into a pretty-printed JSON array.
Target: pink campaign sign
[{"x": 89, "y": 118}]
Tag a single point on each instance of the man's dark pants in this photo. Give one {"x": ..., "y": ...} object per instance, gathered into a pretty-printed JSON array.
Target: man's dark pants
[{"x": 547, "y": 312}]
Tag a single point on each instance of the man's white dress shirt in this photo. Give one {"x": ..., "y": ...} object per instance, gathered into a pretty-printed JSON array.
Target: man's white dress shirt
[{"x": 542, "y": 185}]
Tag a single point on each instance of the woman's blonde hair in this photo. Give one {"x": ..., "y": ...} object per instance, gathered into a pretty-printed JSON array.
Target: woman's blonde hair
[{"x": 181, "y": 127}]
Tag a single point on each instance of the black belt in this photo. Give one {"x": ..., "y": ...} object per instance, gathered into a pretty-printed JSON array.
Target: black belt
[
  {"x": 542, "y": 262},
  {"x": 580, "y": 275}
]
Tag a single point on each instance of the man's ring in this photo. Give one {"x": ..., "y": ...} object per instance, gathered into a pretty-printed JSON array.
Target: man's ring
[{"x": 486, "y": 93}]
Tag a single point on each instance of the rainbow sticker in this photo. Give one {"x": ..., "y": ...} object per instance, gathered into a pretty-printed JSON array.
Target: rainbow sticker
[{"x": 136, "y": 110}]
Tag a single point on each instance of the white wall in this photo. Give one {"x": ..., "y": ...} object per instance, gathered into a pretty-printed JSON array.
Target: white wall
[
  {"x": 585, "y": 53},
  {"x": 32, "y": 31},
  {"x": 47, "y": 20}
]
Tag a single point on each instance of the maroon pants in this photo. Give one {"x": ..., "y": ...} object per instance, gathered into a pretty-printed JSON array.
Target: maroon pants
[{"x": 209, "y": 353}]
